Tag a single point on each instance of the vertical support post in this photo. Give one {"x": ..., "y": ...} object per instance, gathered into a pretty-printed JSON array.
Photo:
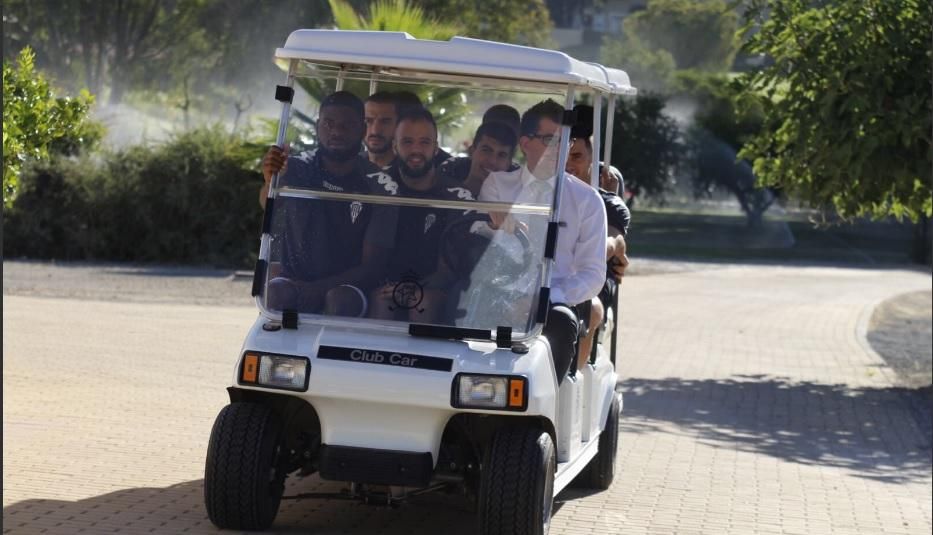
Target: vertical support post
[
  {"x": 610, "y": 123},
  {"x": 597, "y": 132},
  {"x": 279, "y": 142},
  {"x": 555, "y": 208},
  {"x": 562, "y": 157},
  {"x": 265, "y": 242},
  {"x": 341, "y": 74},
  {"x": 373, "y": 83}
]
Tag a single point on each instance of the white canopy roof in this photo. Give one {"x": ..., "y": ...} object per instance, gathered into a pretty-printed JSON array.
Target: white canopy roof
[{"x": 460, "y": 55}]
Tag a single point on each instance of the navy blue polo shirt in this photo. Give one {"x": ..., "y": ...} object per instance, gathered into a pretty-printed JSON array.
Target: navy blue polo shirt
[
  {"x": 420, "y": 228},
  {"x": 317, "y": 238}
]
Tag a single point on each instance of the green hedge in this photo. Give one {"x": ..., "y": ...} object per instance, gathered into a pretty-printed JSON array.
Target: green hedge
[{"x": 190, "y": 200}]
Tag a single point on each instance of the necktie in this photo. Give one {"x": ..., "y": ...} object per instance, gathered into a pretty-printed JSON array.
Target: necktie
[{"x": 540, "y": 192}]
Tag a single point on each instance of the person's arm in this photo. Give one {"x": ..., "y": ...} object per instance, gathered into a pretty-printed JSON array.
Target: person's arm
[
  {"x": 618, "y": 260},
  {"x": 589, "y": 256},
  {"x": 617, "y": 213},
  {"x": 275, "y": 161}
]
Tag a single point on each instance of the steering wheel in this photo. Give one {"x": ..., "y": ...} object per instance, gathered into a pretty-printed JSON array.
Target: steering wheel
[{"x": 463, "y": 249}]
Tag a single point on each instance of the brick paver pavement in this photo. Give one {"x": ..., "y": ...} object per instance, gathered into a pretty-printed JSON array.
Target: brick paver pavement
[{"x": 752, "y": 405}]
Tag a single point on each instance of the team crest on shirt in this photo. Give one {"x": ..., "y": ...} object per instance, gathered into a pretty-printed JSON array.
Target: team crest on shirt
[
  {"x": 355, "y": 208},
  {"x": 428, "y": 221},
  {"x": 408, "y": 293}
]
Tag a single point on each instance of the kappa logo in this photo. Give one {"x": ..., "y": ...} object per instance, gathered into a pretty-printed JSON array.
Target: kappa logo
[
  {"x": 462, "y": 193},
  {"x": 331, "y": 187},
  {"x": 386, "y": 182},
  {"x": 306, "y": 156}
]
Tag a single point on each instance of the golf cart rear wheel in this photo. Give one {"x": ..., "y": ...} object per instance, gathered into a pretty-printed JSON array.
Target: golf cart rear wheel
[
  {"x": 601, "y": 470},
  {"x": 243, "y": 476},
  {"x": 517, "y": 483}
]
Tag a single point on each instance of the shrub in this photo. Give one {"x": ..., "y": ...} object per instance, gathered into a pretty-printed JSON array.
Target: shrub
[
  {"x": 36, "y": 123},
  {"x": 189, "y": 200},
  {"x": 646, "y": 145}
]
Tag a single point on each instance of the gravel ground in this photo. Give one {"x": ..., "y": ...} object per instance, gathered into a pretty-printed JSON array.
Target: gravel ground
[
  {"x": 127, "y": 282},
  {"x": 901, "y": 331},
  {"x": 187, "y": 285}
]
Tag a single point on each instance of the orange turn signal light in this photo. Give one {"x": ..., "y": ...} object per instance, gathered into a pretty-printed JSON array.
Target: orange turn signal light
[
  {"x": 516, "y": 393},
  {"x": 250, "y": 368}
]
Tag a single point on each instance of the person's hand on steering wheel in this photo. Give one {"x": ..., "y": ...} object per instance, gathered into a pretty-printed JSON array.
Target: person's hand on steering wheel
[{"x": 505, "y": 222}]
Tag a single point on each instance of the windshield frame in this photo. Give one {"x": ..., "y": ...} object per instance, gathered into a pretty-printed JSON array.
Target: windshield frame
[{"x": 375, "y": 74}]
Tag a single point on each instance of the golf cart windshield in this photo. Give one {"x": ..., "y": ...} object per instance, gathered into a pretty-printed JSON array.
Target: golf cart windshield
[{"x": 413, "y": 200}]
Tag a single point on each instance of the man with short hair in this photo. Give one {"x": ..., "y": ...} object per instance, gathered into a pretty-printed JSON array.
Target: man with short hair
[
  {"x": 505, "y": 114},
  {"x": 332, "y": 250},
  {"x": 580, "y": 254},
  {"x": 382, "y": 106},
  {"x": 381, "y": 115},
  {"x": 492, "y": 150},
  {"x": 415, "y": 257},
  {"x": 580, "y": 164}
]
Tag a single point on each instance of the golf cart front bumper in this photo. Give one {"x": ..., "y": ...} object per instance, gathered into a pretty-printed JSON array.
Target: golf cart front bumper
[{"x": 382, "y": 395}]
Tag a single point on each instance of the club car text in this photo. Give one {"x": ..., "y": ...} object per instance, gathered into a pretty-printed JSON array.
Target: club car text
[{"x": 370, "y": 356}]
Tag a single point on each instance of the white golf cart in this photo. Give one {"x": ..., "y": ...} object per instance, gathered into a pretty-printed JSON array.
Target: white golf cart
[{"x": 419, "y": 388}]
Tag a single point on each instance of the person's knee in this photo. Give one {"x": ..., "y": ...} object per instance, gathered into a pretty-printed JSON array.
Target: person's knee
[
  {"x": 562, "y": 322},
  {"x": 562, "y": 330},
  {"x": 345, "y": 300}
]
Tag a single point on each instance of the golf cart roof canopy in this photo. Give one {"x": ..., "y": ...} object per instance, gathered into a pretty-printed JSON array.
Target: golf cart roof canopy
[{"x": 459, "y": 55}]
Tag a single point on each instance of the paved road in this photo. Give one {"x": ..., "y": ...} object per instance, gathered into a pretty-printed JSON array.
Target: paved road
[{"x": 753, "y": 404}]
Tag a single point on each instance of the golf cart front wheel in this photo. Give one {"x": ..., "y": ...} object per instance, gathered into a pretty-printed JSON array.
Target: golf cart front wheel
[
  {"x": 243, "y": 476},
  {"x": 517, "y": 483}
]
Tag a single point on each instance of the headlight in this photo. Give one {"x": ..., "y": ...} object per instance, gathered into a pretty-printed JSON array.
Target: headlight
[
  {"x": 497, "y": 392},
  {"x": 275, "y": 371}
]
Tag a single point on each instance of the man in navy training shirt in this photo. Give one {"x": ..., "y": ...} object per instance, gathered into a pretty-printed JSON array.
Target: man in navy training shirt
[
  {"x": 415, "y": 257},
  {"x": 329, "y": 251}
]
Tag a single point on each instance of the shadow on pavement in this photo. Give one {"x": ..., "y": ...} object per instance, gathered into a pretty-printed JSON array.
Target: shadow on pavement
[
  {"x": 882, "y": 434},
  {"x": 180, "y": 509}
]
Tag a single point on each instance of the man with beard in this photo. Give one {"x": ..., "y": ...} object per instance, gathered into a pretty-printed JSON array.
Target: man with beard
[
  {"x": 381, "y": 114},
  {"x": 331, "y": 251},
  {"x": 579, "y": 269},
  {"x": 415, "y": 258}
]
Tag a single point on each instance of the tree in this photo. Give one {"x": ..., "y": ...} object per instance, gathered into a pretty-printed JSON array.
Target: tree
[
  {"x": 650, "y": 70},
  {"x": 447, "y": 104},
  {"x": 646, "y": 146},
  {"x": 522, "y": 22},
  {"x": 674, "y": 34},
  {"x": 121, "y": 46},
  {"x": 721, "y": 125},
  {"x": 99, "y": 44},
  {"x": 847, "y": 103},
  {"x": 36, "y": 123}
]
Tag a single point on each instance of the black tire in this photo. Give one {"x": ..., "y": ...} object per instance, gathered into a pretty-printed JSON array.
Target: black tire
[
  {"x": 243, "y": 476},
  {"x": 517, "y": 483},
  {"x": 600, "y": 472}
]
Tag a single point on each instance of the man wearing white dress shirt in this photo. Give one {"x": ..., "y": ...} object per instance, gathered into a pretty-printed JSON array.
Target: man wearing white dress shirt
[{"x": 579, "y": 269}]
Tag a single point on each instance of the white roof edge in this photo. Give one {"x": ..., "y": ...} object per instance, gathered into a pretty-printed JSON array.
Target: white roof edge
[{"x": 460, "y": 55}]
